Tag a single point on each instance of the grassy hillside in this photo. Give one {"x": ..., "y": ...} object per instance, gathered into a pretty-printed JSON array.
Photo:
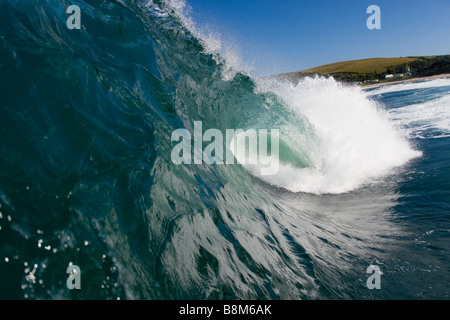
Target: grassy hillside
[
  {"x": 378, "y": 68},
  {"x": 376, "y": 65}
]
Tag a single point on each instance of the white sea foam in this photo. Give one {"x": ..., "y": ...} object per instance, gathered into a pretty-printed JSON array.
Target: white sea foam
[
  {"x": 410, "y": 86},
  {"x": 355, "y": 141},
  {"x": 425, "y": 120}
]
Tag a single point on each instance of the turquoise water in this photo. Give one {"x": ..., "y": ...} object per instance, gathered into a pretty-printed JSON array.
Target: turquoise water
[{"x": 86, "y": 175}]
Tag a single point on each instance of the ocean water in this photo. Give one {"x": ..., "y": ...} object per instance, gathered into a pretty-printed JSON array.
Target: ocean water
[{"x": 86, "y": 175}]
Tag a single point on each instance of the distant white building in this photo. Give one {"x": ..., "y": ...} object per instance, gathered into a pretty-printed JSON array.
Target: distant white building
[
  {"x": 389, "y": 76},
  {"x": 408, "y": 71}
]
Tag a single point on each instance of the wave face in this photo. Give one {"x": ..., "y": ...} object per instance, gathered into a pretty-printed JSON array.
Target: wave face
[{"x": 86, "y": 175}]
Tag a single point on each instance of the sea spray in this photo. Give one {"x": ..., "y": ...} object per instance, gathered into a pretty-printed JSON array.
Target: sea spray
[{"x": 354, "y": 139}]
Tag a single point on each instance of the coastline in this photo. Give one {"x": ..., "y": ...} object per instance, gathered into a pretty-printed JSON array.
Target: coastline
[{"x": 439, "y": 76}]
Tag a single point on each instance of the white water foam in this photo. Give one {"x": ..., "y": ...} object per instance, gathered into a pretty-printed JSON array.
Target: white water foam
[
  {"x": 355, "y": 140},
  {"x": 425, "y": 120},
  {"x": 410, "y": 86}
]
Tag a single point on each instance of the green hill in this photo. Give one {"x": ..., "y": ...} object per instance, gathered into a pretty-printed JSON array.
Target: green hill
[
  {"x": 378, "y": 68},
  {"x": 376, "y": 65}
]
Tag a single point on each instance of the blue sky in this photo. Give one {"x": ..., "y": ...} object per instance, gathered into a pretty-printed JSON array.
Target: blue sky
[{"x": 291, "y": 35}]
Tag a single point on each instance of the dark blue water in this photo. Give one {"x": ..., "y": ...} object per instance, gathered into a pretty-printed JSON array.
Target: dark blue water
[{"x": 86, "y": 175}]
